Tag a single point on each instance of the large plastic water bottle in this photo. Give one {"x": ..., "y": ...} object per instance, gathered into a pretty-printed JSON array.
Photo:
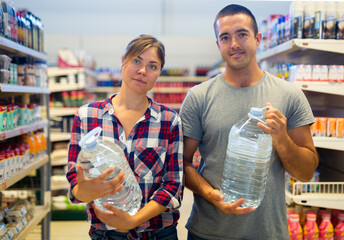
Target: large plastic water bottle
[
  {"x": 95, "y": 157},
  {"x": 247, "y": 161}
]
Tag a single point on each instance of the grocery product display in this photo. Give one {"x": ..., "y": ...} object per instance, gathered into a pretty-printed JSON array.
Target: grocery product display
[
  {"x": 39, "y": 98},
  {"x": 317, "y": 56},
  {"x": 24, "y": 147}
]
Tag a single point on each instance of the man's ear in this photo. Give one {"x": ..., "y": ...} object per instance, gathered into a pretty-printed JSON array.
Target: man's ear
[{"x": 258, "y": 38}]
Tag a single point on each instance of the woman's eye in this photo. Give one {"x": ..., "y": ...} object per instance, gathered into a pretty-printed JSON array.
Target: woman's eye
[
  {"x": 152, "y": 67},
  {"x": 136, "y": 61}
]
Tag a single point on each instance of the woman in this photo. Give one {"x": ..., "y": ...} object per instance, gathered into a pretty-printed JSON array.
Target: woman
[{"x": 150, "y": 135}]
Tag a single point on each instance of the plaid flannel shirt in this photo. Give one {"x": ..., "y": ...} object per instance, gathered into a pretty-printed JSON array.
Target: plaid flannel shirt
[{"x": 154, "y": 150}]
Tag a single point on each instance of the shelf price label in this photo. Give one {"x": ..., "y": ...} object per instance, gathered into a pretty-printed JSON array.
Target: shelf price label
[{"x": 3, "y": 136}]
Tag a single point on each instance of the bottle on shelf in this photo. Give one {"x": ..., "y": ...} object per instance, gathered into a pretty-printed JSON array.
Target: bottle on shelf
[
  {"x": 247, "y": 161},
  {"x": 295, "y": 229},
  {"x": 339, "y": 230},
  {"x": 311, "y": 229},
  {"x": 96, "y": 156},
  {"x": 326, "y": 228},
  {"x": 309, "y": 19},
  {"x": 340, "y": 20},
  {"x": 329, "y": 31},
  {"x": 320, "y": 13},
  {"x": 296, "y": 14}
]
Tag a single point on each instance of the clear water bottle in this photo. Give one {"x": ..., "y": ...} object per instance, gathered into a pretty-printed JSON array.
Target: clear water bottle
[
  {"x": 247, "y": 161},
  {"x": 95, "y": 157}
]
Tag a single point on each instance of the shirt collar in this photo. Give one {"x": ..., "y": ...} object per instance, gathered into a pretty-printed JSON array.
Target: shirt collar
[{"x": 153, "y": 108}]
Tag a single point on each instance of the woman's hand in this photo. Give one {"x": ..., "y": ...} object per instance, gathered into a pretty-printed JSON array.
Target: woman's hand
[
  {"x": 228, "y": 208},
  {"x": 117, "y": 218},
  {"x": 89, "y": 189}
]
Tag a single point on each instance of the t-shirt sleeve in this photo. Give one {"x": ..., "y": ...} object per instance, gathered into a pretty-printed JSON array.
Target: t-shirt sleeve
[
  {"x": 300, "y": 112},
  {"x": 191, "y": 118}
]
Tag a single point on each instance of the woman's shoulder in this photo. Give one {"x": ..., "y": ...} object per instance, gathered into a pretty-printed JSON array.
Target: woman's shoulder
[{"x": 85, "y": 109}]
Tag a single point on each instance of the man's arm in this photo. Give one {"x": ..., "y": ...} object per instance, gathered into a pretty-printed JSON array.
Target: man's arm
[
  {"x": 196, "y": 183},
  {"x": 298, "y": 153},
  {"x": 295, "y": 147}
]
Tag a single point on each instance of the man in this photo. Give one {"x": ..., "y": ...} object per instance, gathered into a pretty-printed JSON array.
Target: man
[{"x": 209, "y": 111}]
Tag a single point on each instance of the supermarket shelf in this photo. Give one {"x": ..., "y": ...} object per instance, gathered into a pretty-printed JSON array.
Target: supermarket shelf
[
  {"x": 39, "y": 213},
  {"x": 59, "y": 157},
  {"x": 22, "y": 89},
  {"x": 317, "y": 194},
  {"x": 336, "y": 88},
  {"x": 59, "y": 183},
  {"x": 170, "y": 90},
  {"x": 172, "y": 105},
  {"x": 104, "y": 89},
  {"x": 66, "y": 87},
  {"x": 306, "y": 50},
  {"x": 215, "y": 72},
  {"x": 33, "y": 166},
  {"x": 57, "y": 71},
  {"x": 57, "y": 112},
  {"x": 18, "y": 49},
  {"x": 329, "y": 143},
  {"x": 182, "y": 79},
  {"x": 59, "y": 136},
  {"x": 68, "y": 215},
  {"x": 23, "y": 129}
]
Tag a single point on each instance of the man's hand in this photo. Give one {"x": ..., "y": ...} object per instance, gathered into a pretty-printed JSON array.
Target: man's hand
[
  {"x": 277, "y": 125},
  {"x": 228, "y": 208}
]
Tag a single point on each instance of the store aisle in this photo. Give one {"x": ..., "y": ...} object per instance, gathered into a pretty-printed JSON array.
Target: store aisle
[{"x": 78, "y": 230}]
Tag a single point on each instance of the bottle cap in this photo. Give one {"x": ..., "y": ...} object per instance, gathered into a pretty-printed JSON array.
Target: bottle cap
[
  {"x": 91, "y": 139},
  {"x": 258, "y": 112}
]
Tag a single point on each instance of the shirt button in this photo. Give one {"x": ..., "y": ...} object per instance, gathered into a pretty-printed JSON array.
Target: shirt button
[{"x": 111, "y": 111}]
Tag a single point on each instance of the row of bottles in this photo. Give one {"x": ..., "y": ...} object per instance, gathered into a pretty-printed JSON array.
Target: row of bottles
[
  {"x": 305, "y": 223},
  {"x": 306, "y": 19},
  {"x": 21, "y": 26}
]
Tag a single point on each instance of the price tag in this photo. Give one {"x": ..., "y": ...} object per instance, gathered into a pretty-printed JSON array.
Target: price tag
[{"x": 3, "y": 185}]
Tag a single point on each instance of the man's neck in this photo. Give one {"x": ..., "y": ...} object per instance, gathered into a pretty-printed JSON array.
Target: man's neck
[{"x": 242, "y": 78}]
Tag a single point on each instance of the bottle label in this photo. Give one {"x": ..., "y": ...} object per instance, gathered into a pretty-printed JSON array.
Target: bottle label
[
  {"x": 309, "y": 27},
  {"x": 340, "y": 28},
  {"x": 297, "y": 27},
  {"x": 318, "y": 25}
]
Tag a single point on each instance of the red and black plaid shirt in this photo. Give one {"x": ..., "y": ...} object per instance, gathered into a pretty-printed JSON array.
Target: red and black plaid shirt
[{"x": 154, "y": 150}]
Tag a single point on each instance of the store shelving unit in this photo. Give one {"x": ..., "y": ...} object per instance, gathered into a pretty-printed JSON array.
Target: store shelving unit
[
  {"x": 41, "y": 212},
  {"x": 82, "y": 79},
  {"x": 314, "y": 51},
  {"x": 161, "y": 90},
  {"x": 320, "y": 194},
  {"x": 335, "y": 88},
  {"x": 306, "y": 51}
]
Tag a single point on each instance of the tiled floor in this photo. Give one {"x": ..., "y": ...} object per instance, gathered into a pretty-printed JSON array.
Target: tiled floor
[{"x": 78, "y": 230}]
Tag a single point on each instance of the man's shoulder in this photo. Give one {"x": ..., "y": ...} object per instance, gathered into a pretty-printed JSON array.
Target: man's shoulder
[{"x": 206, "y": 86}]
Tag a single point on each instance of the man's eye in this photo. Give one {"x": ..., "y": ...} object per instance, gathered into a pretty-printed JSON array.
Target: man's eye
[
  {"x": 225, "y": 38},
  {"x": 242, "y": 35}
]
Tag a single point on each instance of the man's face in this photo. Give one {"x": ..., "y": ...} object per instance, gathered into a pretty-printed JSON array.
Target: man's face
[{"x": 236, "y": 41}]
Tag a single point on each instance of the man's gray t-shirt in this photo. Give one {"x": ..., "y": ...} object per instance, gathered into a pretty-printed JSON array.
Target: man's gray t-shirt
[{"x": 208, "y": 112}]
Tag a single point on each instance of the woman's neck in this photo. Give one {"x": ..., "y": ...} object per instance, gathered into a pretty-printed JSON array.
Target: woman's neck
[{"x": 130, "y": 102}]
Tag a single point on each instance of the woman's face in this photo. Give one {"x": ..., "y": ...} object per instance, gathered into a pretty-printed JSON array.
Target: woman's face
[{"x": 141, "y": 74}]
